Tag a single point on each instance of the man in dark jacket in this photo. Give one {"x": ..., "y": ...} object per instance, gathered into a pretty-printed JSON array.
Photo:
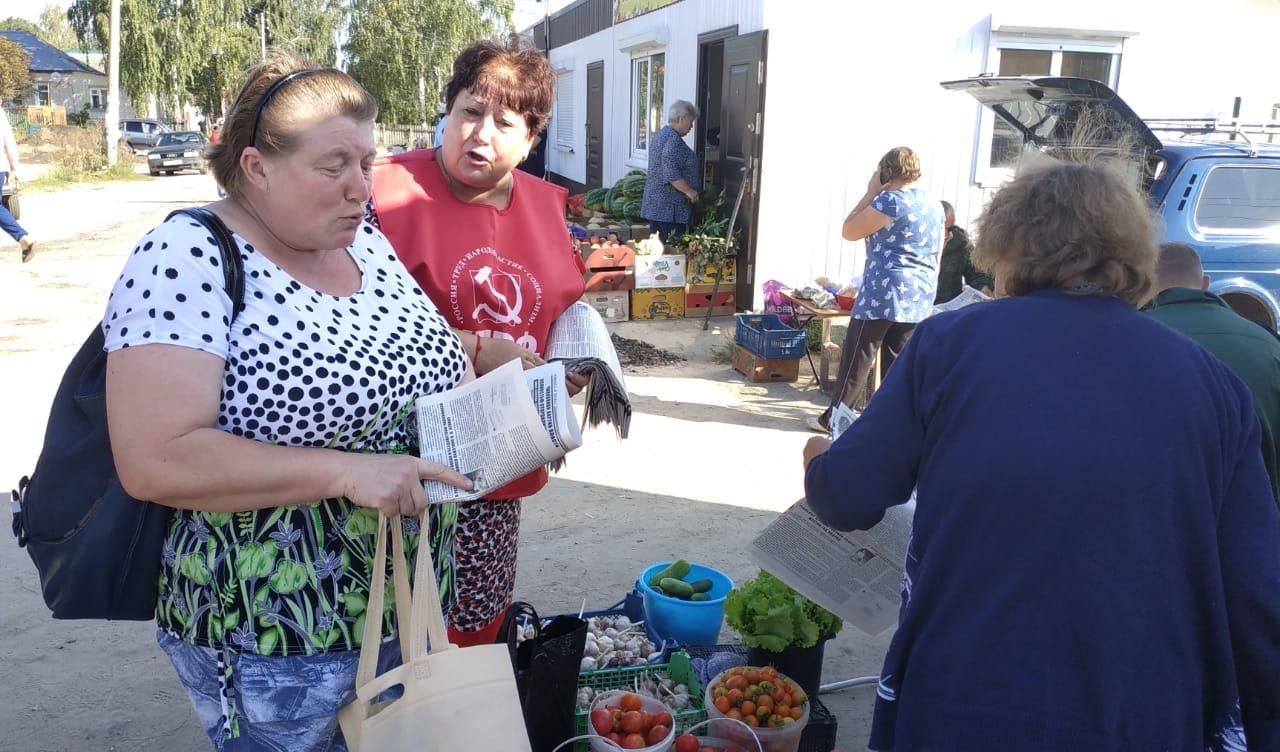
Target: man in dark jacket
[
  {"x": 955, "y": 269},
  {"x": 1250, "y": 350}
]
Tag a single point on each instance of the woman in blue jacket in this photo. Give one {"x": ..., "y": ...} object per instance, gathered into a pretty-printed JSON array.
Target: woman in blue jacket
[{"x": 1095, "y": 559}]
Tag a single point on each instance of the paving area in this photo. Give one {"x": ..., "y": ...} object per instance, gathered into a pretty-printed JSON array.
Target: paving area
[{"x": 710, "y": 461}]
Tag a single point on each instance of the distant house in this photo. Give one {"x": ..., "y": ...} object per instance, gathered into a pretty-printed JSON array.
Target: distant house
[{"x": 59, "y": 79}]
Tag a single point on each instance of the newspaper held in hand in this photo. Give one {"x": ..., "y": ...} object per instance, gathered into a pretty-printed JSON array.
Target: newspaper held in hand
[
  {"x": 580, "y": 340},
  {"x": 968, "y": 296},
  {"x": 859, "y": 575},
  {"x": 502, "y": 426}
]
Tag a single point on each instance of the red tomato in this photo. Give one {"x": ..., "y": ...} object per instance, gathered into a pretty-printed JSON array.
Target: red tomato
[
  {"x": 601, "y": 721},
  {"x": 687, "y": 743},
  {"x": 657, "y": 735},
  {"x": 615, "y": 737},
  {"x": 630, "y": 702},
  {"x": 632, "y": 722},
  {"x": 662, "y": 718},
  {"x": 633, "y": 741}
]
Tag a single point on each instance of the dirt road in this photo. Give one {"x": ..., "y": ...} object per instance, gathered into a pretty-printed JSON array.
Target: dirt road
[{"x": 710, "y": 461}]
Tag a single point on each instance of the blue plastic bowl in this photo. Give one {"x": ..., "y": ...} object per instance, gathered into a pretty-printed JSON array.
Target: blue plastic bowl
[{"x": 689, "y": 622}]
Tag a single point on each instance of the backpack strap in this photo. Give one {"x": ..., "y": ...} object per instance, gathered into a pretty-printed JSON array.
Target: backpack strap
[{"x": 232, "y": 264}]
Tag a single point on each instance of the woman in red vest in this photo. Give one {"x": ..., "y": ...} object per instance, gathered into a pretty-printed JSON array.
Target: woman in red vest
[{"x": 489, "y": 245}]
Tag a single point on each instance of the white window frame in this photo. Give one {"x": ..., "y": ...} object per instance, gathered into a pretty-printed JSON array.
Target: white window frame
[
  {"x": 984, "y": 174},
  {"x": 47, "y": 99},
  {"x": 101, "y": 97},
  {"x": 640, "y": 157},
  {"x": 564, "y": 115}
]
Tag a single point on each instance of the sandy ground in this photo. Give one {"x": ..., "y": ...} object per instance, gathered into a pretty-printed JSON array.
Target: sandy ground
[{"x": 711, "y": 460}]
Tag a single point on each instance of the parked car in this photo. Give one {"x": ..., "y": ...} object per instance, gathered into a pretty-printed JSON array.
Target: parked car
[
  {"x": 9, "y": 197},
  {"x": 1215, "y": 185},
  {"x": 141, "y": 135},
  {"x": 183, "y": 150}
]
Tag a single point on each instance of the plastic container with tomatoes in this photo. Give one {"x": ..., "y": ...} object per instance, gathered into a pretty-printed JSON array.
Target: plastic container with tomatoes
[
  {"x": 778, "y": 724},
  {"x": 630, "y": 721}
]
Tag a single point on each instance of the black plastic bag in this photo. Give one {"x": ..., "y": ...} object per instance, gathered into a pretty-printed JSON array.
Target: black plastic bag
[{"x": 546, "y": 672}]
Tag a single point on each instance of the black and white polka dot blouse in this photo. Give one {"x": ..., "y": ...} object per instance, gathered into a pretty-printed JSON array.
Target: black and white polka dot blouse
[{"x": 303, "y": 368}]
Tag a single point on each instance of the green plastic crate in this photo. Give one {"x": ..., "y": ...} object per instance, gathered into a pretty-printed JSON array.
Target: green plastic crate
[{"x": 677, "y": 668}]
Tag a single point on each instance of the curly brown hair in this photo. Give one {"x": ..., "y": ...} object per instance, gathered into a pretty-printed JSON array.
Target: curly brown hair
[
  {"x": 901, "y": 163},
  {"x": 509, "y": 73},
  {"x": 300, "y": 102},
  {"x": 1073, "y": 226}
]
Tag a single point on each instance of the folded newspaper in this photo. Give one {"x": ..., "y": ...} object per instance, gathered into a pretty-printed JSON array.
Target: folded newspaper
[
  {"x": 581, "y": 341},
  {"x": 500, "y": 427},
  {"x": 509, "y": 422},
  {"x": 968, "y": 296},
  {"x": 858, "y": 575}
]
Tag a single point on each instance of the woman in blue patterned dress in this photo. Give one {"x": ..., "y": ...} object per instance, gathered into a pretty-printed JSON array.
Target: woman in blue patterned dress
[
  {"x": 903, "y": 227},
  {"x": 671, "y": 185}
]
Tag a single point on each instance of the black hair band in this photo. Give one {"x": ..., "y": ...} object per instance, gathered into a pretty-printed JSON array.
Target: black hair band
[{"x": 262, "y": 103}]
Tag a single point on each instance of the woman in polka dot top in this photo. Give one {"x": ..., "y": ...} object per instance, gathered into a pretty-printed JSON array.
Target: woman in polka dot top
[{"x": 278, "y": 436}]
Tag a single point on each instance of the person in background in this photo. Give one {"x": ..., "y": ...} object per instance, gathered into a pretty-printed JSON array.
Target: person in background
[
  {"x": 276, "y": 435},
  {"x": 1094, "y": 562},
  {"x": 672, "y": 183},
  {"x": 489, "y": 245},
  {"x": 441, "y": 124},
  {"x": 955, "y": 268},
  {"x": 9, "y": 166},
  {"x": 1248, "y": 349},
  {"x": 903, "y": 228}
]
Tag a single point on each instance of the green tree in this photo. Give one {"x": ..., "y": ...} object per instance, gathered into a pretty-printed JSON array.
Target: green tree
[
  {"x": 13, "y": 23},
  {"x": 55, "y": 29},
  {"x": 402, "y": 51},
  {"x": 15, "y": 75}
]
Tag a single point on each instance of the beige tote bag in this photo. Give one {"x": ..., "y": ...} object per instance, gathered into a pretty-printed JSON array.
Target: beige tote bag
[{"x": 455, "y": 698}]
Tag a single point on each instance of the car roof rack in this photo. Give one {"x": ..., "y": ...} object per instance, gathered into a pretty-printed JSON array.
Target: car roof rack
[{"x": 1210, "y": 127}]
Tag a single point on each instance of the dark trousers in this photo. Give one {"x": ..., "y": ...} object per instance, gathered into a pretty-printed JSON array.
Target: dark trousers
[
  {"x": 668, "y": 230},
  {"x": 7, "y": 222},
  {"x": 858, "y": 355}
]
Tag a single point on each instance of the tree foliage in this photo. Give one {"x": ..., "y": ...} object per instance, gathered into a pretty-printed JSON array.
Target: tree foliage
[
  {"x": 13, "y": 23},
  {"x": 200, "y": 50},
  {"x": 55, "y": 29},
  {"x": 15, "y": 74},
  {"x": 402, "y": 51}
]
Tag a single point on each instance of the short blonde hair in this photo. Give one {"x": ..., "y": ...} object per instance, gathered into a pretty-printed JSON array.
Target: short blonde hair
[
  {"x": 901, "y": 163},
  {"x": 1078, "y": 227},
  {"x": 275, "y": 125}
]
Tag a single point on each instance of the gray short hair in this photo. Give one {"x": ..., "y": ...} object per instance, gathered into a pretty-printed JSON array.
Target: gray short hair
[{"x": 681, "y": 109}]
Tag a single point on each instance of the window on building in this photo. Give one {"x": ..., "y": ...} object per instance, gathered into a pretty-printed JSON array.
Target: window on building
[
  {"x": 43, "y": 97},
  {"x": 1240, "y": 200},
  {"x": 648, "y": 74},
  {"x": 1000, "y": 145},
  {"x": 97, "y": 99},
  {"x": 564, "y": 109}
]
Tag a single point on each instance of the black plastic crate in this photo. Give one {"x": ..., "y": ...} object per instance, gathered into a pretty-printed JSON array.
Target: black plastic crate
[{"x": 819, "y": 734}]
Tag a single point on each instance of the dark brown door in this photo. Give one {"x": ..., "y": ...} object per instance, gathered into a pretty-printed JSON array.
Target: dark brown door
[
  {"x": 741, "y": 125},
  {"x": 595, "y": 125}
]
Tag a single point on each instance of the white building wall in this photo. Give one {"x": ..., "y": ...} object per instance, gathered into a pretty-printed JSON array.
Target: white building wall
[
  {"x": 675, "y": 28},
  {"x": 847, "y": 81}
]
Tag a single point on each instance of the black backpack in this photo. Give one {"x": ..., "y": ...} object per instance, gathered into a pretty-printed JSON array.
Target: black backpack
[{"x": 96, "y": 548}]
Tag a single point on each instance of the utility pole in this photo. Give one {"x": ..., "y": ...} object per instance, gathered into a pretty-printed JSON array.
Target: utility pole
[
  {"x": 262, "y": 31},
  {"x": 113, "y": 86}
]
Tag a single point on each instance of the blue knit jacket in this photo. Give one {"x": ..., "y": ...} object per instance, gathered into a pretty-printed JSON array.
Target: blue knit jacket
[{"x": 1095, "y": 559}]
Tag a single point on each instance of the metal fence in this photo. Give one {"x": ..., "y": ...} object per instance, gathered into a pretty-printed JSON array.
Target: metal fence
[{"x": 409, "y": 136}]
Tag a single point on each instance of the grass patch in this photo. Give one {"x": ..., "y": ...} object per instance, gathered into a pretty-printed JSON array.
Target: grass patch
[
  {"x": 63, "y": 177},
  {"x": 724, "y": 352}
]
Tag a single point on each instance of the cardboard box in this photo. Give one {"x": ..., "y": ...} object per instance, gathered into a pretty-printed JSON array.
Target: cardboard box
[
  {"x": 705, "y": 274},
  {"x": 610, "y": 280},
  {"x": 657, "y": 304},
  {"x": 659, "y": 271},
  {"x": 758, "y": 370},
  {"x": 611, "y": 257},
  {"x": 612, "y": 306},
  {"x": 698, "y": 300}
]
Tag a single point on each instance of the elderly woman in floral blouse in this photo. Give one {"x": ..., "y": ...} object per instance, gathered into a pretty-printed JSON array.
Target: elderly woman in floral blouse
[
  {"x": 671, "y": 186},
  {"x": 903, "y": 227}
]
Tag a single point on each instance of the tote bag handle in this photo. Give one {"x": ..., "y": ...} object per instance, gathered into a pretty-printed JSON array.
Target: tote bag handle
[{"x": 371, "y": 640}]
